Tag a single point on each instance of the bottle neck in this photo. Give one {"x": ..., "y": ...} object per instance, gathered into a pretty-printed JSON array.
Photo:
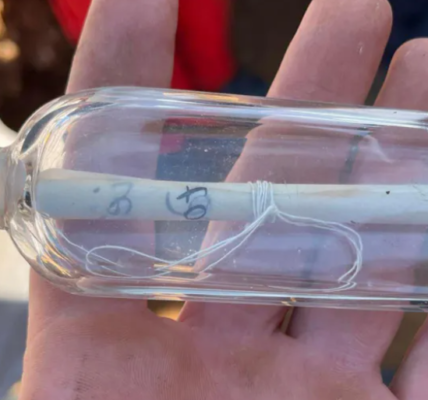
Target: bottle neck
[
  {"x": 4, "y": 161},
  {"x": 12, "y": 183}
]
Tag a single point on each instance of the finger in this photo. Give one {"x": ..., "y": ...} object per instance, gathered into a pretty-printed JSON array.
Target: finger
[
  {"x": 332, "y": 38},
  {"x": 128, "y": 45},
  {"x": 123, "y": 43},
  {"x": 369, "y": 334},
  {"x": 333, "y": 57},
  {"x": 406, "y": 87},
  {"x": 410, "y": 381}
]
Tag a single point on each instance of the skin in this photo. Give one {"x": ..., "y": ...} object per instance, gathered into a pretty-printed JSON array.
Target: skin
[{"x": 83, "y": 348}]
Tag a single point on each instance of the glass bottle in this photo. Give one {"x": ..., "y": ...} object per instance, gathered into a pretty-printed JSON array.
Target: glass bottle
[{"x": 163, "y": 194}]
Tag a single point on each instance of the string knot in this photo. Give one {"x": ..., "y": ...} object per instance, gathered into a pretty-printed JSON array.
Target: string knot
[{"x": 263, "y": 201}]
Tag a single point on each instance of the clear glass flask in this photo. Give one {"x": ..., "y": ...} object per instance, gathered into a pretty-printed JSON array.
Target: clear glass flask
[{"x": 162, "y": 194}]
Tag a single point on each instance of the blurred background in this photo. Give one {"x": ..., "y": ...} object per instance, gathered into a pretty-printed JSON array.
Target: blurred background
[{"x": 231, "y": 46}]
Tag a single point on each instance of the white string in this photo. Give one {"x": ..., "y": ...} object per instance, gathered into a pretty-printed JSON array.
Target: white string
[{"x": 264, "y": 208}]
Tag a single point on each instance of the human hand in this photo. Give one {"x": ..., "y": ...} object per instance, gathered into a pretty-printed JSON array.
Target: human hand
[{"x": 83, "y": 348}]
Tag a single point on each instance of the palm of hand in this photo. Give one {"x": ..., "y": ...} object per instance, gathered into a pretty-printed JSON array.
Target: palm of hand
[
  {"x": 81, "y": 348},
  {"x": 118, "y": 355}
]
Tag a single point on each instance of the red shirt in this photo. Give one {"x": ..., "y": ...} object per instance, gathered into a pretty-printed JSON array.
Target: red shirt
[{"x": 203, "y": 59}]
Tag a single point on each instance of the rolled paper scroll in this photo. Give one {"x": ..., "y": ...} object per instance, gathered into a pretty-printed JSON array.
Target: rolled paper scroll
[{"x": 67, "y": 194}]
